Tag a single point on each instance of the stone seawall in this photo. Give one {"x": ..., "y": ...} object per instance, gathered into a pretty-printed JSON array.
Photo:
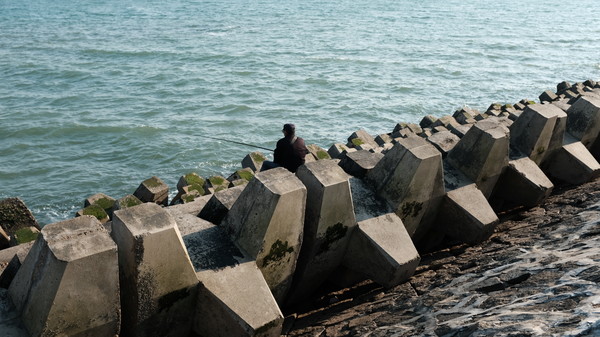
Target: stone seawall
[{"x": 226, "y": 255}]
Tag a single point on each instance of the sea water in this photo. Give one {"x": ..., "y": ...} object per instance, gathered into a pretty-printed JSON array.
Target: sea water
[{"x": 98, "y": 95}]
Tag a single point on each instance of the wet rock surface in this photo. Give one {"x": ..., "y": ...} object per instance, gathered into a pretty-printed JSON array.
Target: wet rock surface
[{"x": 537, "y": 275}]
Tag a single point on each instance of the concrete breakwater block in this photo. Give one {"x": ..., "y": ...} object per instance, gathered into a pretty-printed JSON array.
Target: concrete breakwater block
[
  {"x": 482, "y": 154},
  {"x": 466, "y": 215},
  {"x": 572, "y": 163},
  {"x": 267, "y": 222},
  {"x": 10, "y": 322},
  {"x": 69, "y": 283},
  {"x": 523, "y": 183},
  {"x": 444, "y": 141},
  {"x": 225, "y": 306},
  {"x": 153, "y": 190},
  {"x": 220, "y": 203},
  {"x": 410, "y": 178},
  {"x": 157, "y": 277},
  {"x": 328, "y": 224},
  {"x": 254, "y": 161},
  {"x": 583, "y": 122},
  {"x": 532, "y": 133},
  {"x": 381, "y": 248},
  {"x": 359, "y": 163},
  {"x": 361, "y": 137}
]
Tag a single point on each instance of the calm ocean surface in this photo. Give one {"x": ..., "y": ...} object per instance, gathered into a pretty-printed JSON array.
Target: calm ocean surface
[{"x": 96, "y": 96}]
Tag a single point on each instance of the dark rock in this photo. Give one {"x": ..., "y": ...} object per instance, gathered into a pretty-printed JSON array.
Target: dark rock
[{"x": 14, "y": 215}]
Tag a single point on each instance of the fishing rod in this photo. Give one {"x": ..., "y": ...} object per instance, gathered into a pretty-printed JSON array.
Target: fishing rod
[{"x": 233, "y": 141}]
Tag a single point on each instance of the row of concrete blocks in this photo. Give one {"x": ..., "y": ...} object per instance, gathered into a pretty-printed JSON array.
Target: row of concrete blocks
[{"x": 167, "y": 271}]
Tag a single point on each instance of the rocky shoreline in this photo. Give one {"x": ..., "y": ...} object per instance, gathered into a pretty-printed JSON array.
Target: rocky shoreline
[{"x": 538, "y": 275}]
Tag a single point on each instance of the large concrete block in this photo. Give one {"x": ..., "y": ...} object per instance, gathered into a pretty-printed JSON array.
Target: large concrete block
[
  {"x": 358, "y": 163},
  {"x": 361, "y": 137},
  {"x": 523, "y": 183},
  {"x": 382, "y": 249},
  {"x": 410, "y": 178},
  {"x": 254, "y": 160},
  {"x": 69, "y": 283},
  {"x": 225, "y": 306},
  {"x": 482, "y": 154},
  {"x": 267, "y": 222},
  {"x": 466, "y": 215},
  {"x": 534, "y": 130},
  {"x": 153, "y": 190},
  {"x": 217, "y": 207},
  {"x": 157, "y": 277},
  {"x": 444, "y": 141},
  {"x": 572, "y": 163},
  {"x": 583, "y": 122},
  {"x": 329, "y": 221}
]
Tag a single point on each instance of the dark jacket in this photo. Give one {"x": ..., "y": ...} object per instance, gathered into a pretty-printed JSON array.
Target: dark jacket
[{"x": 290, "y": 153}]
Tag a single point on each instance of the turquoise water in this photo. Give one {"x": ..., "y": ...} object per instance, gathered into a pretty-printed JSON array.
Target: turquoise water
[{"x": 96, "y": 96}]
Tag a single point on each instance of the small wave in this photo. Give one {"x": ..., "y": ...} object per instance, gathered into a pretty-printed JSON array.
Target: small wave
[{"x": 234, "y": 108}]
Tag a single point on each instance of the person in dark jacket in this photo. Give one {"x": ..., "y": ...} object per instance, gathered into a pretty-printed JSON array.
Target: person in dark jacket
[{"x": 289, "y": 152}]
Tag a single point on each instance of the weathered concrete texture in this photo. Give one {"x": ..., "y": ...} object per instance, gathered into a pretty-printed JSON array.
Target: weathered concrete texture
[
  {"x": 267, "y": 222},
  {"x": 11, "y": 260},
  {"x": 361, "y": 137},
  {"x": 220, "y": 203},
  {"x": 224, "y": 306},
  {"x": 193, "y": 208},
  {"x": 73, "y": 254},
  {"x": 466, "y": 215},
  {"x": 254, "y": 160},
  {"x": 318, "y": 152},
  {"x": 337, "y": 150},
  {"x": 572, "y": 163},
  {"x": 360, "y": 162},
  {"x": 157, "y": 277},
  {"x": 410, "y": 178},
  {"x": 329, "y": 221},
  {"x": 584, "y": 120},
  {"x": 381, "y": 248},
  {"x": 523, "y": 183},
  {"x": 107, "y": 203},
  {"x": 482, "y": 154},
  {"x": 153, "y": 190},
  {"x": 14, "y": 215},
  {"x": 533, "y": 131},
  {"x": 444, "y": 141},
  {"x": 129, "y": 200}
]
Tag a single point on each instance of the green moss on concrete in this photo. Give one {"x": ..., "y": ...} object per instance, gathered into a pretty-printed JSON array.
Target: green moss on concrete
[
  {"x": 332, "y": 235},
  {"x": 188, "y": 197},
  {"x": 245, "y": 174},
  {"x": 530, "y": 102},
  {"x": 220, "y": 188},
  {"x": 216, "y": 180},
  {"x": 541, "y": 150},
  {"x": 152, "y": 182},
  {"x": 278, "y": 251},
  {"x": 96, "y": 211},
  {"x": 197, "y": 187},
  {"x": 258, "y": 157},
  {"x": 357, "y": 142},
  {"x": 105, "y": 203},
  {"x": 193, "y": 178},
  {"x": 411, "y": 209},
  {"x": 25, "y": 235},
  {"x": 322, "y": 154},
  {"x": 129, "y": 201}
]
